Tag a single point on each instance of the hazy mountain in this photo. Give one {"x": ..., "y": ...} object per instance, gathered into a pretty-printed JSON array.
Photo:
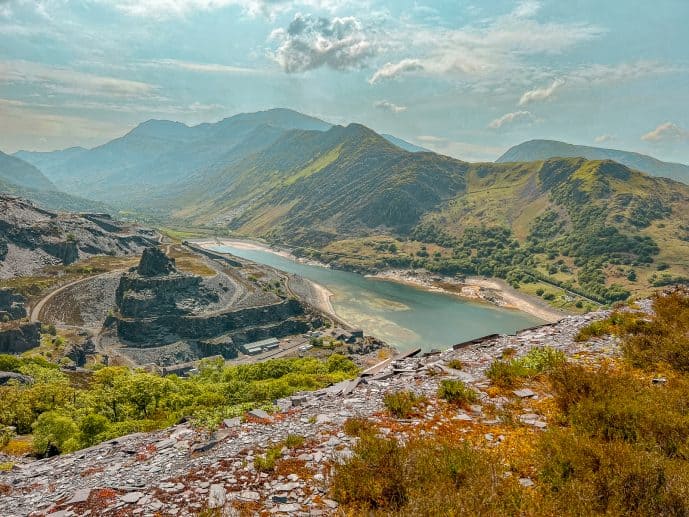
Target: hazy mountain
[
  {"x": 160, "y": 156},
  {"x": 403, "y": 144},
  {"x": 19, "y": 178},
  {"x": 534, "y": 150},
  {"x": 22, "y": 174},
  {"x": 159, "y": 153}
]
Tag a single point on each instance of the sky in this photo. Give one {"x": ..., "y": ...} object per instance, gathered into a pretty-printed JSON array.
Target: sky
[{"x": 467, "y": 78}]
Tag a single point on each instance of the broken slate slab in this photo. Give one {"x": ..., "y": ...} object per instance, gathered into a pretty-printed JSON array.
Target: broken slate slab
[
  {"x": 260, "y": 414},
  {"x": 232, "y": 422},
  {"x": 80, "y": 496},
  {"x": 524, "y": 393},
  {"x": 131, "y": 497}
]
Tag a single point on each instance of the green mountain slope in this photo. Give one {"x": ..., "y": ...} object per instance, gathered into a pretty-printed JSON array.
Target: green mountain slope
[
  {"x": 597, "y": 228},
  {"x": 535, "y": 150},
  {"x": 321, "y": 185}
]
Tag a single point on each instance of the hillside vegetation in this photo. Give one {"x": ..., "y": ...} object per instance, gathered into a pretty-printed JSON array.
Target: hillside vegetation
[
  {"x": 597, "y": 229},
  {"x": 535, "y": 150},
  {"x": 616, "y": 443}
]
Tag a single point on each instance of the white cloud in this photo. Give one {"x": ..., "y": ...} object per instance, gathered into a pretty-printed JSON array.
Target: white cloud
[
  {"x": 496, "y": 48},
  {"x": 389, "y": 106},
  {"x": 65, "y": 80},
  {"x": 510, "y": 118},
  {"x": 392, "y": 70},
  {"x": 309, "y": 42},
  {"x": 211, "y": 68},
  {"x": 666, "y": 132},
  {"x": 160, "y": 9},
  {"x": 540, "y": 94},
  {"x": 604, "y": 138}
]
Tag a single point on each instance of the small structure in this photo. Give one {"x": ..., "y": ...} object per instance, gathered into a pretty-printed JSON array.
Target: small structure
[{"x": 261, "y": 346}]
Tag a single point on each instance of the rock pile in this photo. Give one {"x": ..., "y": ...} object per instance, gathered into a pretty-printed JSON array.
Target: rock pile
[{"x": 182, "y": 470}]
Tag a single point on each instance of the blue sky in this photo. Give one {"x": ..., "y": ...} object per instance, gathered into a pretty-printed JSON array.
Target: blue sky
[{"x": 465, "y": 78}]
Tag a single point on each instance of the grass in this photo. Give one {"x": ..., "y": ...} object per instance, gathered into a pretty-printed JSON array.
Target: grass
[
  {"x": 509, "y": 372},
  {"x": 404, "y": 404},
  {"x": 456, "y": 392},
  {"x": 268, "y": 461},
  {"x": 358, "y": 427}
]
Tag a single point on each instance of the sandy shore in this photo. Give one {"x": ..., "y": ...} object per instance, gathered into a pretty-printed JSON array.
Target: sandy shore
[
  {"x": 318, "y": 295},
  {"x": 493, "y": 291}
]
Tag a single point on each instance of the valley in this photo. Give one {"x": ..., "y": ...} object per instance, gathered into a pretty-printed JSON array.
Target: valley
[{"x": 268, "y": 284}]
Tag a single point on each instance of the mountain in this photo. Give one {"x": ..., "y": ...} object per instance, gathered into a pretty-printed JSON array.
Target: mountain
[
  {"x": 346, "y": 180},
  {"x": 594, "y": 227},
  {"x": 159, "y": 156},
  {"x": 19, "y": 178},
  {"x": 403, "y": 144},
  {"x": 21, "y": 174},
  {"x": 129, "y": 170},
  {"x": 534, "y": 150}
]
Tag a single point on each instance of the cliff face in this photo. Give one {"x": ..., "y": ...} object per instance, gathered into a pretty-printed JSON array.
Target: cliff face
[
  {"x": 31, "y": 238},
  {"x": 172, "y": 316}
]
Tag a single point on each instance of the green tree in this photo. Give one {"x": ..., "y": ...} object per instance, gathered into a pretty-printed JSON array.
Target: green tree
[{"x": 51, "y": 431}]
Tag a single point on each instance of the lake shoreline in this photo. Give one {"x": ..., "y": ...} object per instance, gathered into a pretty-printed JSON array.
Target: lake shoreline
[
  {"x": 492, "y": 291},
  {"x": 319, "y": 296}
]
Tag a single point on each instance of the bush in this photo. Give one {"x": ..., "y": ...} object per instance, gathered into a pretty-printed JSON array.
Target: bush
[
  {"x": 266, "y": 462},
  {"x": 581, "y": 476},
  {"x": 52, "y": 431},
  {"x": 403, "y": 404},
  {"x": 423, "y": 477},
  {"x": 610, "y": 405},
  {"x": 508, "y": 374},
  {"x": 456, "y": 392},
  {"x": 455, "y": 364},
  {"x": 293, "y": 441},
  {"x": 358, "y": 427},
  {"x": 664, "y": 338}
]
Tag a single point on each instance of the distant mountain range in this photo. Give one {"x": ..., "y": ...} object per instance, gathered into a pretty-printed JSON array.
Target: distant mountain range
[
  {"x": 158, "y": 154},
  {"x": 19, "y": 178},
  {"x": 534, "y": 150},
  {"x": 591, "y": 225}
]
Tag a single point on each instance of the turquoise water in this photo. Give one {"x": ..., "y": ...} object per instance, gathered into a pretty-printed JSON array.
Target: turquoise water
[{"x": 399, "y": 314}]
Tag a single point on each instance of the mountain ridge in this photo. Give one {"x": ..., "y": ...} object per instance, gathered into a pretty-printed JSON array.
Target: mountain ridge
[{"x": 542, "y": 149}]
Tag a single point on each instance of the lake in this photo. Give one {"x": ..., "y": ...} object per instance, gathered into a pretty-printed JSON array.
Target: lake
[{"x": 401, "y": 315}]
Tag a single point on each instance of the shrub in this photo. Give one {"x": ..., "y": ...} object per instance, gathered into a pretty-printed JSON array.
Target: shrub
[
  {"x": 423, "y": 477},
  {"x": 358, "y": 427},
  {"x": 455, "y": 364},
  {"x": 52, "y": 431},
  {"x": 293, "y": 441},
  {"x": 611, "y": 405},
  {"x": 266, "y": 462},
  {"x": 618, "y": 323},
  {"x": 506, "y": 374},
  {"x": 664, "y": 338},
  {"x": 456, "y": 392},
  {"x": 581, "y": 476},
  {"x": 403, "y": 404}
]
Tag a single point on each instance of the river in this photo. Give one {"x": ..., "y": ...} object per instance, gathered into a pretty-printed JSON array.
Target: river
[{"x": 402, "y": 315}]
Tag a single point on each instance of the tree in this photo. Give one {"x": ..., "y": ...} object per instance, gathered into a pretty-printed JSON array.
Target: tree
[
  {"x": 91, "y": 426},
  {"x": 51, "y": 431}
]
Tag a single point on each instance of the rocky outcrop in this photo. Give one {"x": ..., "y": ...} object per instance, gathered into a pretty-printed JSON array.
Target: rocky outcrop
[
  {"x": 166, "y": 316},
  {"x": 12, "y": 305},
  {"x": 32, "y": 238},
  {"x": 6, "y": 377},
  {"x": 154, "y": 263},
  {"x": 179, "y": 470},
  {"x": 17, "y": 339}
]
